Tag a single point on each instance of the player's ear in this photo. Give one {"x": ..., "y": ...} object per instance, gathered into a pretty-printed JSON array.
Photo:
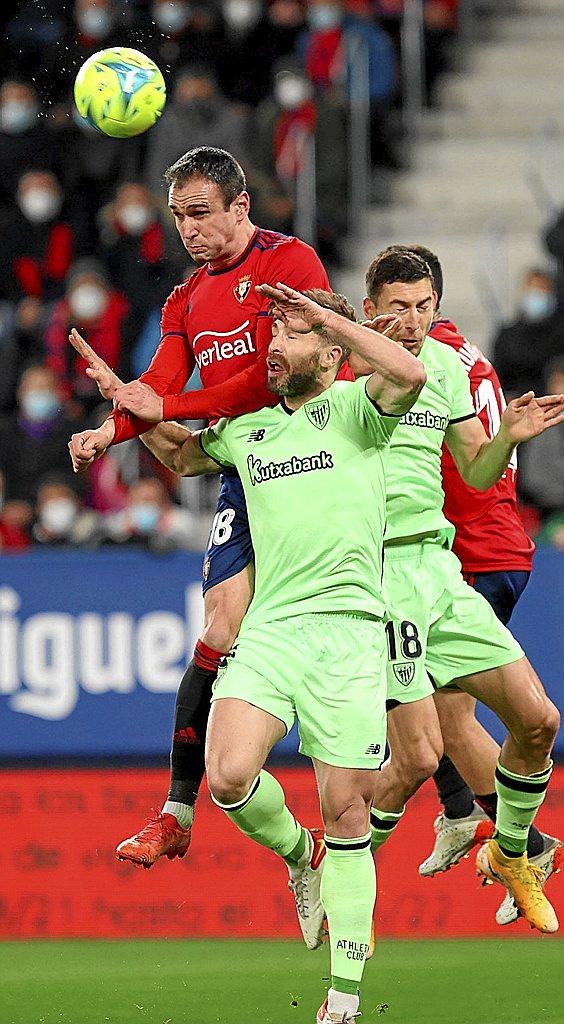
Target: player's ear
[
  {"x": 242, "y": 204},
  {"x": 369, "y": 308},
  {"x": 331, "y": 357}
]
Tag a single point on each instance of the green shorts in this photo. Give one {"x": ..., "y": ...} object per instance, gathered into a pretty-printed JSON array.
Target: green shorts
[
  {"x": 439, "y": 628},
  {"x": 327, "y": 671}
]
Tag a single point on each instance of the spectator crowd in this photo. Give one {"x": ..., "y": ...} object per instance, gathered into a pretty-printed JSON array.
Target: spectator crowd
[{"x": 87, "y": 240}]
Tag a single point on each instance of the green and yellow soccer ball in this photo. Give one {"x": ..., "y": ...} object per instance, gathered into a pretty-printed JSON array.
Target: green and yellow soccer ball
[{"x": 120, "y": 91}]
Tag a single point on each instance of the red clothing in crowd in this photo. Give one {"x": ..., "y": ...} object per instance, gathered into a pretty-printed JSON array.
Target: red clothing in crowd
[
  {"x": 104, "y": 334},
  {"x": 490, "y": 536}
]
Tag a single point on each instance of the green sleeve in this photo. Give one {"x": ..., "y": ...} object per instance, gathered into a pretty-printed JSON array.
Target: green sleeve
[
  {"x": 373, "y": 420},
  {"x": 214, "y": 441},
  {"x": 462, "y": 407}
]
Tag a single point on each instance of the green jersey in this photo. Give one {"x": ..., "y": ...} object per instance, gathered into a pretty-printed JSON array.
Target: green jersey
[
  {"x": 413, "y": 466},
  {"x": 315, "y": 490}
]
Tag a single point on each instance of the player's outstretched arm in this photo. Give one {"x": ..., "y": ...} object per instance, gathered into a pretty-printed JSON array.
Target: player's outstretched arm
[
  {"x": 481, "y": 461},
  {"x": 166, "y": 441},
  {"x": 397, "y": 376}
]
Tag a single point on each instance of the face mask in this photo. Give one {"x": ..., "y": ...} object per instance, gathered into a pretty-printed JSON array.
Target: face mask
[
  {"x": 87, "y": 301},
  {"x": 94, "y": 22},
  {"x": 17, "y": 116},
  {"x": 203, "y": 108},
  {"x": 145, "y": 516},
  {"x": 241, "y": 14},
  {"x": 323, "y": 17},
  {"x": 57, "y": 517},
  {"x": 134, "y": 217},
  {"x": 171, "y": 17},
  {"x": 39, "y": 405},
  {"x": 536, "y": 304},
  {"x": 291, "y": 91},
  {"x": 40, "y": 205}
]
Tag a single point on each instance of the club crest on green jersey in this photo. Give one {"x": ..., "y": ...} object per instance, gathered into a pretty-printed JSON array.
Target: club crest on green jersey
[
  {"x": 318, "y": 413},
  {"x": 404, "y": 672}
]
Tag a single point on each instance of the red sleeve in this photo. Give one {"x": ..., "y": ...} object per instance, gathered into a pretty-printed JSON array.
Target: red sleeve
[
  {"x": 245, "y": 392},
  {"x": 168, "y": 371},
  {"x": 294, "y": 263}
]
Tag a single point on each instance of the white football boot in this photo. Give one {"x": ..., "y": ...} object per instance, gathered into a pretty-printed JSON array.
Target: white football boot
[
  {"x": 549, "y": 863},
  {"x": 305, "y": 885},
  {"x": 455, "y": 838}
]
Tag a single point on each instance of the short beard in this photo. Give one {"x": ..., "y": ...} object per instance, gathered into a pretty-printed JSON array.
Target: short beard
[{"x": 296, "y": 385}]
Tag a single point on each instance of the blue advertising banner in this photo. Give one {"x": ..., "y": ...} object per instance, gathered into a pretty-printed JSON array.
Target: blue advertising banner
[{"x": 93, "y": 646}]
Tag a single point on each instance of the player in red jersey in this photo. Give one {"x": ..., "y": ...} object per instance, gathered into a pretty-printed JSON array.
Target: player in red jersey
[
  {"x": 496, "y": 556},
  {"x": 218, "y": 321}
]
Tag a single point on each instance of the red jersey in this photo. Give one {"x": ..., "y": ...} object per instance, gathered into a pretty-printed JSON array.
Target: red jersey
[
  {"x": 490, "y": 536},
  {"x": 217, "y": 320}
]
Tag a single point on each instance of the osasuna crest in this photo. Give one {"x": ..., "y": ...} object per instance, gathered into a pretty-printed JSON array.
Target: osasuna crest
[
  {"x": 242, "y": 288},
  {"x": 404, "y": 672},
  {"x": 318, "y": 413}
]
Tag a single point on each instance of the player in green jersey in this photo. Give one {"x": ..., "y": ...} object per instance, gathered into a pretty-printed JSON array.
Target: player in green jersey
[
  {"x": 312, "y": 644},
  {"x": 441, "y": 633}
]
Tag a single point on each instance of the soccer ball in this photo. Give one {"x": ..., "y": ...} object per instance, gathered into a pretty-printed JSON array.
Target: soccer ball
[{"x": 120, "y": 91}]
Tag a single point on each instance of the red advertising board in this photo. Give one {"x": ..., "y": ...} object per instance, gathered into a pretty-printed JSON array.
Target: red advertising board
[{"x": 60, "y": 877}]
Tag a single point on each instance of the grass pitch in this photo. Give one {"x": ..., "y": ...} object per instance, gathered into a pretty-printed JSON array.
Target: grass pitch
[{"x": 509, "y": 981}]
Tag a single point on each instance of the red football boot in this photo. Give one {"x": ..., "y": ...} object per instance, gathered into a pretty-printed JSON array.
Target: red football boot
[{"x": 162, "y": 836}]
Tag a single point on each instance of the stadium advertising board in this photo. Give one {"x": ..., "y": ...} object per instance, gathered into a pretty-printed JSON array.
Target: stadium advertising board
[
  {"x": 62, "y": 825},
  {"x": 93, "y": 646}
]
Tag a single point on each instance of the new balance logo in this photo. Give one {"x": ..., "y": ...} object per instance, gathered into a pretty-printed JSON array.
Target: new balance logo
[
  {"x": 374, "y": 748},
  {"x": 256, "y": 435}
]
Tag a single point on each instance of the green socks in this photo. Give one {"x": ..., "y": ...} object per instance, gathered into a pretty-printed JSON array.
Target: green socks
[
  {"x": 348, "y": 893},
  {"x": 382, "y": 824},
  {"x": 348, "y": 885},
  {"x": 518, "y": 800},
  {"x": 263, "y": 816}
]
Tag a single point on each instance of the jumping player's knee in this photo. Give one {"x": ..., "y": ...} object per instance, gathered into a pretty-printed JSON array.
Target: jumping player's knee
[
  {"x": 348, "y": 817},
  {"x": 228, "y": 783},
  {"x": 541, "y": 731},
  {"x": 420, "y": 762}
]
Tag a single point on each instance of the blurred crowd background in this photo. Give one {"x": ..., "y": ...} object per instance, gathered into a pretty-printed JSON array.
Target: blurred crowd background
[{"x": 318, "y": 101}]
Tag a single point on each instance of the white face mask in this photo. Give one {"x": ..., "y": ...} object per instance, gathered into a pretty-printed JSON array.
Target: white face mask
[
  {"x": 17, "y": 116},
  {"x": 58, "y": 516},
  {"x": 145, "y": 516},
  {"x": 324, "y": 17},
  {"x": 87, "y": 301},
  {"x": 241, "y": 14},
  {"x": 135, "y": 217},
  {"x": 171, "y": 17},
  {"x": 94, "y": 22},
  {"x": 291, "y": 91},
  {"x": 39, "y": 405},
  {"x": 40, "y": 204}
]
